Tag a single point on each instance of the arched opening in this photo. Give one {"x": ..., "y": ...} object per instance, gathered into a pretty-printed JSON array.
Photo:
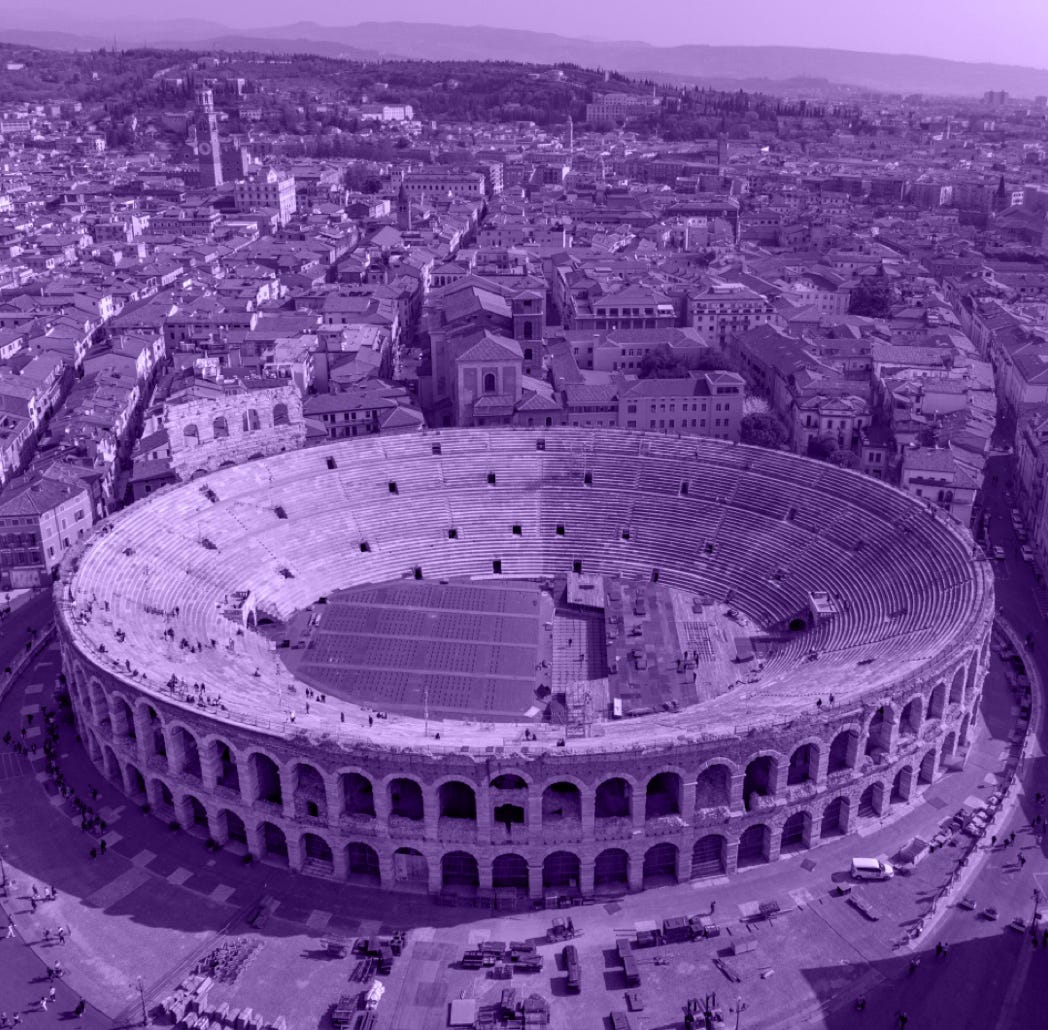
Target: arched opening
[
  {"x": 796, "y": 833},
  {"x": 957, "y": 687},
  {"x": 358, "y": 796},
  {"x": 456, "y": 800},
  {"x": 560, "y": 871},
  {"x": 510, "y": 872},
  {"x": 561, "y": 803},
  {"x": 835, "y": 818},
  {"x": 362, "y": 863},
  {"x": 188, "y": 752},
  {"x": 410, "y": 867},
  {"x": 197, "y": 814},
  {"x": 902, "y": 785},
  {"x": 280, "y": 415},
  {"x": 316, "y": 855},
  {"x": 458, "y": 870},
  {"x": 250, "y": 421},
  {"x": 926, "y": 773},
  {"x": 163, "y": 799},
  {"x": 190, "y": 433},
  {"x": 489, "y": 382},
  {"x": 713, "y": 788},
  {"x": 155, "y": 735},
  {"x": 110, "y": 765},
  {"x": 273, "y": 842},
  {"x": 878, "y": 734},
  {"x": 759, "y": 781},
  {"x": 804, "y": 764},
  {"x": 709, "y": 856},
  {"x": 405, "y": 800},
  {"x": 267, "y": 779},
  {"x": 310, "y": 793},
  {"x": 948, "y": 745},
  {"x": 910, "y": 719},
  {"x": 969, "y": 684},
  {"x": 662, "y": 796},
  {"x": 509, "y": 781},
  {"x": 509, "y": 798},
  {"x": 220, "y": 428},
  {"x": 614, "y": 799},
  {"x": 937, "y": 702},
  {"x": 660, "y": 865},
  {"x": 962, "y": 736},
  {"x": 233, "y": 828},
  {"x": 611, "y": 871},
  {"x": 123, "y": 720},
  {"x": 843, "y": 751},
  {"x": 228, "y": 774},
  {"x": 871, "y": 801},
  {"x": 136, "y": 785},
  {"x": 754, "y": 846}
]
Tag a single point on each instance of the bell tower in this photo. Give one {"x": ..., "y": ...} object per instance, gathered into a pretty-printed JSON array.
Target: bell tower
[{"x": 209, "y": 153}]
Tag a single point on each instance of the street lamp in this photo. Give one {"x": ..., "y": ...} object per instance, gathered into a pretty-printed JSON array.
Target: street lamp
[
  {"x": 739, "y": 1006},
  {"x": 142, "y": 999}
]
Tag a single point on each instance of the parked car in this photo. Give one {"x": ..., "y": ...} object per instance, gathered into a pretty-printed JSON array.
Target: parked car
[
  {"x": 1026, "y": 552},
  {"x": 871, "y": 869},
  {"x": 998, "y": 552}
]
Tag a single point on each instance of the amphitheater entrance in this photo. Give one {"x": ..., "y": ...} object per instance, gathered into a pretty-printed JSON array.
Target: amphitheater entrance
[
  {"x": 709, "y": 856},
  {"x": 796, "y": 833},
  {"x": 198, "y": 822},
  {"x": 614, "y": 799},
  {"x": 946, "y": 758},
  {"x": 835, "y": 818},
  {"x": 273, "y": 843},
  {"x": 228, "y": 774},
  {"x": 611, "y": 871},
  {"x": 316, "y": 855},
  {"x": 660, "y": 865},
  {"x": 926, "y": 773},
  {"x": 358, "y": 796},
  {"x": 843, "y": 751},
  {"x": 405, "y": 800},
  {"x": 232, "y": 828},
  {"x": 510, "y": 872},
  {"x": 410, "y": 868},
  {"x": 459, "y": 873},
  {"x": 871, "y": 801},
  {"x": 362, "y": 864},
  {"x": 878, "y": 735},
  {"x": 803, "y": 764},
  {"x": 759, "y": 782},
  {"x": 754, "y": 846},
  {"x": 713, "y": 788},
  {"x": 561, "y": 872},
  {"x": 902, "y": 786},
  {"x": 662, "y": 797}
]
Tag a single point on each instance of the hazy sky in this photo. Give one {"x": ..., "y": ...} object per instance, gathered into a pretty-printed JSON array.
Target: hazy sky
[{"x": 1006, "y": 31}]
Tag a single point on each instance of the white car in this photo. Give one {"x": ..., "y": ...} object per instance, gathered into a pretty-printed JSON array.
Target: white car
[
  {"x": 998, "y": 552},
  {"x": 1027, "y": 553},
  {"x": 871, "y": 869}
]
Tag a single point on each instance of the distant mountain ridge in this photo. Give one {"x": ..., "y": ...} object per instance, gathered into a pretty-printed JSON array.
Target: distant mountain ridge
[{"x": 896, "y": 73}]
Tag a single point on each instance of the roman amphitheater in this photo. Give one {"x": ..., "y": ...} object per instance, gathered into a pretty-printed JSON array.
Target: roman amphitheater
[{"x": 508, "y": 663}]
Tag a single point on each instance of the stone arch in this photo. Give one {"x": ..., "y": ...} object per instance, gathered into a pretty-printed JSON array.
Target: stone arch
[
  {"x": 962, "y": 733},
  {"x": 156, "y": 742},
  {"x": 759, "y": 781},
  {"x": 163, "y": 800},
  {"x": 611, "y": 870},
  {"x": 98, "y": 702},
  {"x": 456, "y": 800},
  {"x": 273, "y": 842},
  {"x": 110, "y": 765},
  {"x": 663, "y": 795},
  {"x": 949, "y": 743},
  {"x": 836, "y": 817},
  {"x": 902, "y": 785},
  {"x": 232, "y": 827},
  {"x": 936, "y": 702},
  {"x": 804, "y": 765},
  {"x": 459, "y": 869},
  {"x": 191, "y": 432},
  {"x": 713, "y": 787},
  {"x": 509, "y": 781},
  {"x": 614, "y": 799},
  {"x": 879, "y": 731},
  {"x": 266, "y": 772},
  {"x": 186, "y": 753},
  {"x": 957, "y": 687},
  {"x": 406, "y": 800},
  {"x": 510, "y": 872},
  {"x": 310, "y": 792},
  {"x": 926, "y": 772},
  {"x": 709, "y": 856},
  {"x": 280, "y": 414},
  {"x": 561, "y": 803},
  {"x": 973, "y": 671},
  {"x": 561, "y": 870},
  {"x": 661, "y": 864},
  {"x": 796, "y": 833},
  {"x": 410, "y": 867},
  {"x": 220, "y": 427},
  {"x": 227, "y": 769},
  {"x": 134, "y": 782},
  {"x": 317, "y": 855},
  {"x": 358, "y": 795},
  {"x": 844, "y": 750},
  {"x": 871, "y": 801},
  {"x": 910, "y": 718},
  {"x": 754, "y": 846},
  {"x": 509, "y": 800},
  {"x": 197, "y": 813},
  {"x": 362, "y": 863},
  {"x": 123, "y": 719}
]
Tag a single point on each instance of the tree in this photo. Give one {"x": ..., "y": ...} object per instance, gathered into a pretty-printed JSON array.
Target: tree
[
  {"x": 762, "y": 430},
  {"x": 872, "y": 297}
]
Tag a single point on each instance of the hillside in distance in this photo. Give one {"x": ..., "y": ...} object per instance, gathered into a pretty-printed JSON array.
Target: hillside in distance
[{"x": 692, "y": 63}]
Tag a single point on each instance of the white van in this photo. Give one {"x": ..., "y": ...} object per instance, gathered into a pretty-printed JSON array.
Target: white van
[{"x": 871, "y": 869}]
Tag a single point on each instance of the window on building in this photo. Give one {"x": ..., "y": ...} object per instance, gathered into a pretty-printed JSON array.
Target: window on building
[
  {"x": 280, "y": 415},
  {"x": 220, "y": 427},
  {"x": 489, "y": 382},
  {"x": 190, "y": 432}
]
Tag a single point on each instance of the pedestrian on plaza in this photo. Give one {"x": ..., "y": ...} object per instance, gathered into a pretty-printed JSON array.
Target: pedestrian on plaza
[
  {"x": 860, "y": 1003},
  {"x": 16, "y": 1018},
  {"x": 43, "y": 1003},
  {"x": 61, "y": 935},
  {"x": 47, "y": 936},
  {"x": 993, "y": 841},
  {"x": 59, "y": 971},
  {"x": 10, "y": 929},
  {"x": 1011, "y": 839},
  {"x": 903, "y": 1020},
  {"x": 32, "y": 904},
  {"x": 50, "y": 973},
  {"x": 94, "y": 852},
  {"x": 940, "y": 950},
  {"x": 914, "y": 963},
  {"x": 79, "y": 1010},
  {"x": 52, "y": 994},
  {"x": 1022, "y": 860},
  {"x": 36, "y": 893},
  {"x": 102, "y": 847}
]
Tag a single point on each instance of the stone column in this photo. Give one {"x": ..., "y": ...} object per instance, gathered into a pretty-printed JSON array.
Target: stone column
[
  {"x": 638, "y": 805},
  {"x": 636, "y": 871},
  {"x": 587, "y": 869},
  {"x": 687, "y": 803},
  {"x": 483, "y": 796},
  {"x": 340, "y": 862},
  {"x": 535, "y": 879}
]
